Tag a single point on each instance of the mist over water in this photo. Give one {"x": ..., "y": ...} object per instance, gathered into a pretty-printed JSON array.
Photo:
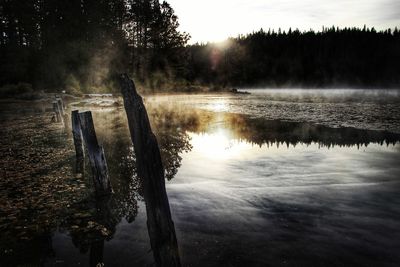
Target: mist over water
[
  {"x": 362, "y": 109},
  {"x": 330, "y": 94}
]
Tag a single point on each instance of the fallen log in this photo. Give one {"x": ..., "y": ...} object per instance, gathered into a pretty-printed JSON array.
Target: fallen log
[
  {"x": 150, "y": 169},
  {"x": 96, "y": 156},
  {"x": 78, "y": 143}
]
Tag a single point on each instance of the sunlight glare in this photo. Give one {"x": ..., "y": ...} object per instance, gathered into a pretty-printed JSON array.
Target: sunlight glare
[{"x": 218, "y": 145}]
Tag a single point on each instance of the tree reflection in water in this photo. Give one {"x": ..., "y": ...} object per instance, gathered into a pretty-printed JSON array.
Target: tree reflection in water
[
  {"x": 95, "y": 220},
  {"x": 171, "y": 128}
]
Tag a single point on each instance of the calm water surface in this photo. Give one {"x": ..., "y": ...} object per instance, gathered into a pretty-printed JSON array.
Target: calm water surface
[
  {"x": 244, "y": 190},
  {"x": 296, "y": 206}
]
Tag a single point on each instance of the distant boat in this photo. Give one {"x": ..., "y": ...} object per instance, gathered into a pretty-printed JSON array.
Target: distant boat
[{"x": 236, "y": 91}]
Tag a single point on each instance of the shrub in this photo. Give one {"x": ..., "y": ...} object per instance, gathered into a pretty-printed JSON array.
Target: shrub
[{"x": 73, "y": 86}]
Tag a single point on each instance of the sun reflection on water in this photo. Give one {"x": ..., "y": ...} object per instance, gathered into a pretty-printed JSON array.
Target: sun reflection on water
[{"x": 218, "y": 145}]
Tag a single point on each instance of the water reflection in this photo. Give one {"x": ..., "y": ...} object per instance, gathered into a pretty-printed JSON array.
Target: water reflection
[
  {"x": 266, "y": 132},
  {"x": 327, "y": 196},
  {"x": 214, "y": 137},
  {"x": 218, "y": 136}
]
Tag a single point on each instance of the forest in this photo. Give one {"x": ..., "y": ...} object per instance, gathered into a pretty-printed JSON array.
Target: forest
[
  {"x": 80, "y": 45},
  {"x": 349, "y": 57}
]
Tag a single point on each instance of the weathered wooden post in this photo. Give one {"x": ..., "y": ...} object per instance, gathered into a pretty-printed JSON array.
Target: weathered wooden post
[
  {"x": 67, "y": 123},
  {"x": 57, "y": 112},
  {"x": 60, "y": 106},
  {"x": 63, "y": 112},
  {"x": 150, "y": 170},
  {"x": 77, "y": 136},
  {"x": 97, "y": 159}
]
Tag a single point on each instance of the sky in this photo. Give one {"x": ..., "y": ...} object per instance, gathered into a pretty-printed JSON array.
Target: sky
[{"x": 215, "y": 20}]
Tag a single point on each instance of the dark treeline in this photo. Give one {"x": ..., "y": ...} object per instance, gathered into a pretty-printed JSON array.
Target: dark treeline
[
  {"x": 79, "y": 45},
  {"x": 334, "y": 57}
]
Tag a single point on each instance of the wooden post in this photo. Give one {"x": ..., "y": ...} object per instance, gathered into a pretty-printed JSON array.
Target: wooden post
[
  {"x": 97, "y": 159},
  {"x": 77, "y": 136},
  {"x": 57, "y": 112},
  {"x": 66, "y": 123},
  {"x": 151, "y": 171},
  {"x": 61, "y": 106}
]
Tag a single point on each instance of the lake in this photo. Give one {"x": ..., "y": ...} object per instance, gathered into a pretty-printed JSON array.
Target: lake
[{"x": 271, "y": 178}]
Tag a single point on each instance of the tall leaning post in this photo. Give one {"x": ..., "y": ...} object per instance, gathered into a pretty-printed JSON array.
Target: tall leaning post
[
  {"x": 150, "y": 169},
  {"x": 96, "y": 156},
  {"x": 78, "y": 143}
]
